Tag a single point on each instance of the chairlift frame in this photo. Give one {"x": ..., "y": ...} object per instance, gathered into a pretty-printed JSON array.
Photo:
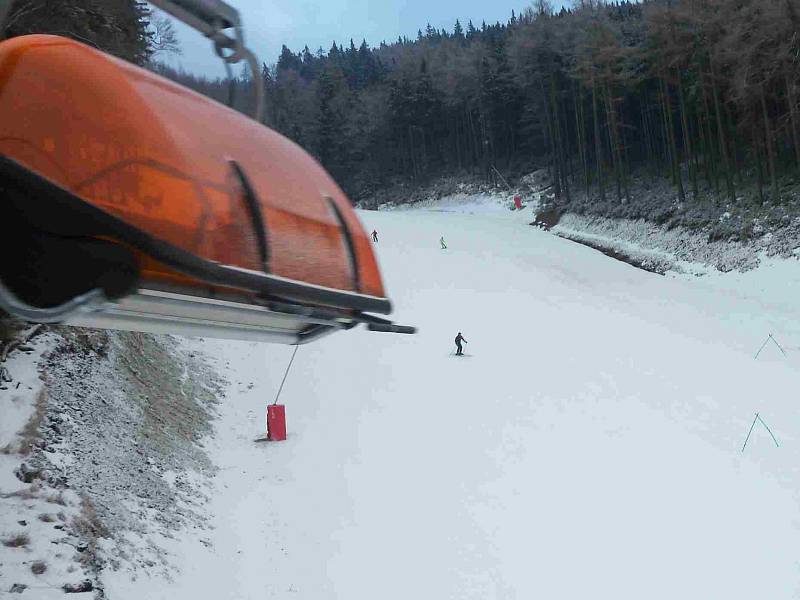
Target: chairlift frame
[{"x": 239, "y": 302}]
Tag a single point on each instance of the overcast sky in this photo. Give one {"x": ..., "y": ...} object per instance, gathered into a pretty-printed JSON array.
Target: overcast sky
[{"x": 317, "y": 23}]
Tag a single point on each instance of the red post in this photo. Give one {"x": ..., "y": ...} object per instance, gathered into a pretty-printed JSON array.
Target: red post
[
  {"x": 276, "y": 422},
  {"x": 517, "y": 202}
]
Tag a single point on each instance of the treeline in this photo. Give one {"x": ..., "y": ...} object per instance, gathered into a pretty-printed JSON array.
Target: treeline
[
  {"x": 704, "y": 92},
  {"x": 124, "y": 28}
]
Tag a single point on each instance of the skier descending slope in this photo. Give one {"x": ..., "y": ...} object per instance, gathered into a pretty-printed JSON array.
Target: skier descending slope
[
  {"x": 374, "y": 235},
  {"x": 460, "y": 338},
  {"x": 441, "y": 241}
]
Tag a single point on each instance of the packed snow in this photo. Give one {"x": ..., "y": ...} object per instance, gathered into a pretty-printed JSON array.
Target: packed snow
[{"x": 588, "y": 445}]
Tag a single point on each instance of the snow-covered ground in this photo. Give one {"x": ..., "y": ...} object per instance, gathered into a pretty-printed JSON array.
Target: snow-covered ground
[
  {"x": 101, "y": 457},
  {"x": 588, "y": 445},
  {"x": 38, "y": 553}
]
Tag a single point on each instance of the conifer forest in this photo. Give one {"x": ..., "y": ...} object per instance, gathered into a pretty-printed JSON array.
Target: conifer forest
[{"x": 702, "y": 93}]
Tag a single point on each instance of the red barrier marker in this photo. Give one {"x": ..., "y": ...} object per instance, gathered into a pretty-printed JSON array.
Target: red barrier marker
[{"x": 276, "y": 422}]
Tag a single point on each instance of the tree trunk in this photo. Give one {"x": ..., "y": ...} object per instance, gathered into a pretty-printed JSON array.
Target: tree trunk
[
  {"x": 616, "y": 144},
  {"x": 560, "y": 146},
  {"x": 711, "y": 157},
  {"x": 555, "y": 167},
  {"x": 624, "y": 162},
  {"x": 580, "y": 132},
  {"x": 686, "y": 139},
  {"x": 648, "y": 140},
  {"x": 759, "y": 169},
  {"x": 792, "y": 100},
  {"x": 662, "y": 106},
  {"x": 476, "y": 145},
  {"x": 676, "y": 165},
  {"x": 651, "y": 121},
  {"x": 770, "y": 150},
  {"x": 612, "y": 142},
  {"x": 734, "y": 145},
  {"x": 704, "y": 151},
  {"x": 721, "y": 132},
  {"x": 598, "y": 151}
]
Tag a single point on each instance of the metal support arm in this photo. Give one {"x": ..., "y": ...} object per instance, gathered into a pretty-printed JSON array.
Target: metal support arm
[{"x": 213, "y": 18}]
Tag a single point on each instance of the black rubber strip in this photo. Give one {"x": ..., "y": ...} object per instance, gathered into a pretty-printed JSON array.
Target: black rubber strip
[
  {"x": 43, "y": 195},
  {"x": 256, "y": 216},
  {"x": 392, "y": 328},
  {"x": 378, "y": 324},
  {"x": 303, "y": 310},
  {"x": 348, "y": 240}
]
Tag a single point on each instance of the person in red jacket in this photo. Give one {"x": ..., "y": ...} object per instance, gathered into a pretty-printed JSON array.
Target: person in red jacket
[{"x": 459, "y": 339}]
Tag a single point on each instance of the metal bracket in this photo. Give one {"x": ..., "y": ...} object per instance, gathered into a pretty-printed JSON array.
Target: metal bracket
[
  {"x": 213, "y": 18},
  {"x": 91, "y": 300}
]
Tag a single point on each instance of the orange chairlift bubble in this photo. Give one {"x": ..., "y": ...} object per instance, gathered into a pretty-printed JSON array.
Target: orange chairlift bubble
[{"x": 131, "y": 202}]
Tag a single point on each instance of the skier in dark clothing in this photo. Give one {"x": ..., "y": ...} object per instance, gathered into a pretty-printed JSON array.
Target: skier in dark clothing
[
  {"x": 374, "y": 236},
  {"x": 459, "y": 339}
]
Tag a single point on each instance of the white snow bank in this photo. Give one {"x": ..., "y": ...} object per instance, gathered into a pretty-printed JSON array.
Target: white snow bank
[
  {"x": 676, "y": 249},
  {"x": 34, "y": 517},
  {"x": 18, "y": 396},
  {"x": 102, "y": 459}
]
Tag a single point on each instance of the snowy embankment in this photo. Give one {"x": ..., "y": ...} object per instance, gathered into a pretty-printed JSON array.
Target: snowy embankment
[
  {"x": 588, "y": 445},
  {"x": 101, "y": 458},
  {"x": 662, "y": 249}
]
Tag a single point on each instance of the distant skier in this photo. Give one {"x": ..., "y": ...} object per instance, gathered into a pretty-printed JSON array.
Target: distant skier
[
  {"x": 459, "y": 339},
  {"x": 441, "y": 241},
  {"x": 374, "y": 236}
]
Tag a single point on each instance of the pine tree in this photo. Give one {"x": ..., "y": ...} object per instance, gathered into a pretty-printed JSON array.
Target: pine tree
[
  {"x": 119, "y": 27},
  {"x": 704, "y": 93}
]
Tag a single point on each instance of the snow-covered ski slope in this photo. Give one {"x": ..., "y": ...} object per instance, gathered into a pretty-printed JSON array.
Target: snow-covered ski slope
[{"x": 589, "y": 448}]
